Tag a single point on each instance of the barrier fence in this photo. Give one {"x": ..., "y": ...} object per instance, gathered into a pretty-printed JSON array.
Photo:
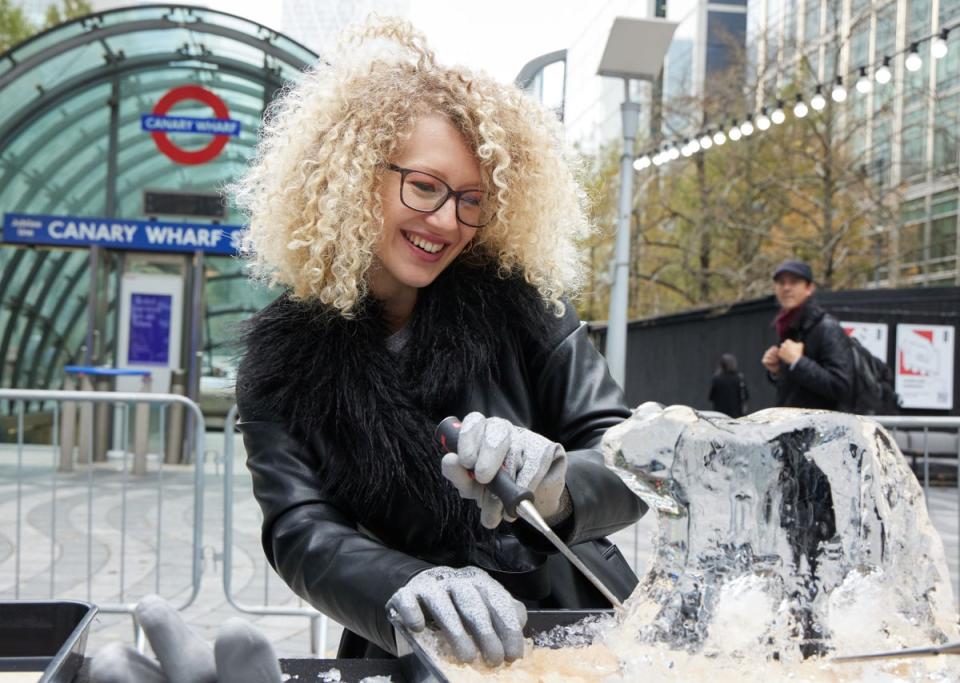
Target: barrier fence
[
  {"x": 319, "y": 623},
  {"x": 82, "y": 507},
  {"x": 932, "y": 440}
]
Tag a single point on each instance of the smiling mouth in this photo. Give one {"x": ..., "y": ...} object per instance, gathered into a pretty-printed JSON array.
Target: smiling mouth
[{"x": 422, "y": 244}]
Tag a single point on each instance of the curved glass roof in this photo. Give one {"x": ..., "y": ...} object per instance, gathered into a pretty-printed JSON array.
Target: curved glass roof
[{"x": 71, "y": 143}]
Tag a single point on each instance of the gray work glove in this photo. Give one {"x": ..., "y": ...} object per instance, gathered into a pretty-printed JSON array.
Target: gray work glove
[
  {"x": 485, "y": 445},
  {"x": 241, "y": 654},
  {"x": 470, "y": 607}
]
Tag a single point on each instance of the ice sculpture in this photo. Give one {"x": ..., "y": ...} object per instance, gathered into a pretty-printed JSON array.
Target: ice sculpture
[
  {"x": 784, "y": 534},
  {"x": 784, "y": 538}
]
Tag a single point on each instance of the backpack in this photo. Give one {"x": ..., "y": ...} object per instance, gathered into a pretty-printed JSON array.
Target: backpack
[{"x": 873, "y": 387}]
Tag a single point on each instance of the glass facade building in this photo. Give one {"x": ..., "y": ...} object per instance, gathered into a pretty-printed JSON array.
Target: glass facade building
[
  {"x": 72, "y": 144},
  {"x": 706, "y": 43},
  {"x": 906, "y": 131}
]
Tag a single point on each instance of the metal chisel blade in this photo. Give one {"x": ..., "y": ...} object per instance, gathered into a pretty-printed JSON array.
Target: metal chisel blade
[
  {"x": 933, "y": 651},
  {"x": 530, "y": 514}
]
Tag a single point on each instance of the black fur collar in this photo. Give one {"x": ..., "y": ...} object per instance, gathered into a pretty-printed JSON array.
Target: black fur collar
[{"x": 330, "y": 375}]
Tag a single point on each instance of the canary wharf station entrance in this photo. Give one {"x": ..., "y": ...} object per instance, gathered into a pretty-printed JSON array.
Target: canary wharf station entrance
[{"x": 118, "y": 135}]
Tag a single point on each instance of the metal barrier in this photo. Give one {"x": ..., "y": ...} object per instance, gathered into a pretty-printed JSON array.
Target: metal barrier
[
  {"x": 929, "y": 426},
  {"x": 319, "y": 623},
  {"x": 939, "y": 426},
  {"x": 82, "y": 507}
]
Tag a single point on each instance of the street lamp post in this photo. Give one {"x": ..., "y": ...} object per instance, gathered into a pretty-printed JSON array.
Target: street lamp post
[{"x": 635, "y": 50}]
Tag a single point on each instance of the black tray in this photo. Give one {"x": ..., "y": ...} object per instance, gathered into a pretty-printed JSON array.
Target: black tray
[
  {"x": 419, "y": 667},
  {"x": 48, "y": 636},
  {"x": 351, "y": 670},
  {"x": 310, "y": 670}
]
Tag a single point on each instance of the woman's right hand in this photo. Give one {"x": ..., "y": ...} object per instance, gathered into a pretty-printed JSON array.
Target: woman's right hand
[{"x": 471, "y": 608}]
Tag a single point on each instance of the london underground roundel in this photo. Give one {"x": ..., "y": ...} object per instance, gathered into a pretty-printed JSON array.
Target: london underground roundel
[{"x": 220, "y": 126}]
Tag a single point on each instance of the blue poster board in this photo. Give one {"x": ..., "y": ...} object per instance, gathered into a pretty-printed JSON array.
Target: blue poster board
[{"x": 150, "y": 329}]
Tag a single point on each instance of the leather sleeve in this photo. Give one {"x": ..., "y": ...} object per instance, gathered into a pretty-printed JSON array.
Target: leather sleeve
[
  {"x": 316, "y": 549},
  {"x": 575, "y": 391},
  {"x": 830, "y": 375}
]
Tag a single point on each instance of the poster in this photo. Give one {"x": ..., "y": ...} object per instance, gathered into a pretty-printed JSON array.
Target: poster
[
  {"x": 149, "y": 329},
  {"x": 873, "y": 336},
  {"x": 924, "y": 372}
]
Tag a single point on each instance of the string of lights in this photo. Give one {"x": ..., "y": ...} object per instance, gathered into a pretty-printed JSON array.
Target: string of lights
[{"x": 776, "y": 114}]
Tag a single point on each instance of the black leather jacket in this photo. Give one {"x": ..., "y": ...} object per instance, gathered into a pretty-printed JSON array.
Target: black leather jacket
[
  {"x": 560, "y": 388},
  {"x": 823, "y": 377}
]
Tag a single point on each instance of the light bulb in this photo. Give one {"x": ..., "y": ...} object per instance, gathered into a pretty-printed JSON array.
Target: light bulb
[
  {"x": 778, "y": 116},
  {"x": 673, "y": 154},
  {"x": 719, "y": 138},
  {"x": 913, "y": 61},
  {"x": 687, "y": 149},
  {"x": 883, "y": 74},
  {"x": 763, "y": 121},
  {"x": 839, "y": 93},
  {"x": 818, "y": 101},
  {"x": 706, "y": 142},
  {"x": 864, "y": 84},
  {"x": 800, "y": 108},
  {"x": 642, "y": 163},
  {"x": 939, "y": 46},
  {"x": 747, "y": 127},
  {"x": 694, "y": 146},
  {"x": 658, "y": 159},
  {"x": 735, "y": 133}
]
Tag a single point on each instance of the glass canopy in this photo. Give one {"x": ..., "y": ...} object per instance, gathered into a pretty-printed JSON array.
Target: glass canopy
[{"x": 71, "y": 143}]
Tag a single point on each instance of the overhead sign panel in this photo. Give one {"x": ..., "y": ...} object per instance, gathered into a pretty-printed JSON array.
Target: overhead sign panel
[{"x": 119, "y": 233}]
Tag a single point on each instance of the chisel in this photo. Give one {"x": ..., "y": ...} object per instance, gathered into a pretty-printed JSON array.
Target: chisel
[
  {"x": 518, "y": 502},
  {"x": 932, "y": 651}
]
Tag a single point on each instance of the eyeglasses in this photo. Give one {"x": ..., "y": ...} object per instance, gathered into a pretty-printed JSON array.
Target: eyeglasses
[{"x": 426, "y": 193}]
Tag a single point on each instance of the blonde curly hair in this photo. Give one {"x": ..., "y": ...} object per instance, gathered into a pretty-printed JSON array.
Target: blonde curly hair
[{"x": 312, "y": 193}]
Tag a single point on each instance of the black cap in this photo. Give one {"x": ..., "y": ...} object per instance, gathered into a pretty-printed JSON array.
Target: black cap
[{"x": 798, "y": 268}]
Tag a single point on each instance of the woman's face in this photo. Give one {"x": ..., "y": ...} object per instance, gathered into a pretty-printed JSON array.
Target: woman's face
[{"x": 415, "y": 247}]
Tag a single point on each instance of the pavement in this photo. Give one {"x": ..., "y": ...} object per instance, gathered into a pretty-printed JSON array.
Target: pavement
[{"x": 119, "y": 537}]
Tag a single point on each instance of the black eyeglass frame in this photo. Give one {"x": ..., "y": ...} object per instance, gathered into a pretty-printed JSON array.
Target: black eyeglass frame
[{"x": 456, "y": 194}]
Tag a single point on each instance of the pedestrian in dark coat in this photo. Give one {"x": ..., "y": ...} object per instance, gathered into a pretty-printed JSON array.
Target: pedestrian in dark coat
[
  {"x": 728, "y": 390},
  {"x": 423, "y": 221},
  {"x": 812, "y": 365}
]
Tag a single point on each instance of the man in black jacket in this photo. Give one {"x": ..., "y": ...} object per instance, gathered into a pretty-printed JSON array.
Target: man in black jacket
[{"x": 812, "y": 366}]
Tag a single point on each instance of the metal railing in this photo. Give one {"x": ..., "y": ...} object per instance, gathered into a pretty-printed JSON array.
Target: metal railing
[
  {"x": 319, "y": 623},
  {"x": 927, "y": 426},
  {"x": 83, "y": 512}
]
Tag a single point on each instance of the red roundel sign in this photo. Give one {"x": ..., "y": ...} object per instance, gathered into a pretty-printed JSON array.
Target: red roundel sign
[{"x": 178, "y": 154}]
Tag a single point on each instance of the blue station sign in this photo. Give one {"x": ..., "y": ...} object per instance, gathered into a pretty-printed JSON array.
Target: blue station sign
[
  {"x": 119, "y": 233},
  {"x": 186, "y": 124}
]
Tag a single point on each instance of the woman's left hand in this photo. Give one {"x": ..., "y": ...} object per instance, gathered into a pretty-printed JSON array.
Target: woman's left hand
[{"x": 487, "y": 444}]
